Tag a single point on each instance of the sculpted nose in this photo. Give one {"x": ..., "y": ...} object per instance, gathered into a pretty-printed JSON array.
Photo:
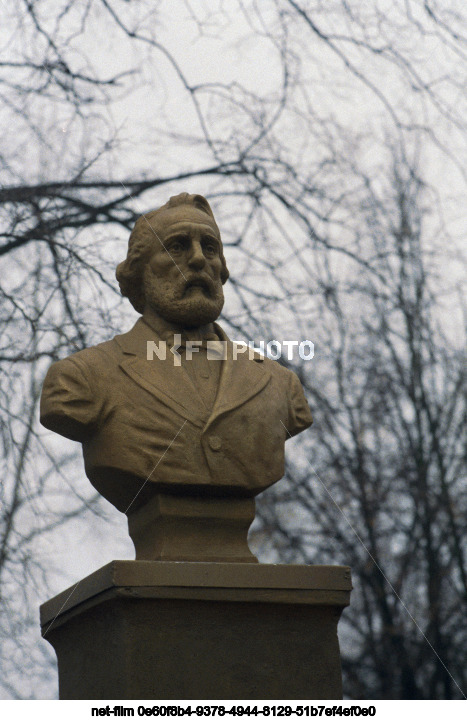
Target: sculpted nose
[{"x": 196, "y": 259}]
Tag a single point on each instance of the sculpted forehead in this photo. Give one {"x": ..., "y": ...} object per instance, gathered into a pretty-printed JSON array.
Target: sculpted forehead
[{"x": 169, "y": 221}]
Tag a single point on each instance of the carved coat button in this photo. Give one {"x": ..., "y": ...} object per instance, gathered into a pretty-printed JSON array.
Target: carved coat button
[{"x": 215, "y": 443}]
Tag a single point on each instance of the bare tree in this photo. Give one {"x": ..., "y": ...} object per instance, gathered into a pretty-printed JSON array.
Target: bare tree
[{"x": 385, "y": 487}]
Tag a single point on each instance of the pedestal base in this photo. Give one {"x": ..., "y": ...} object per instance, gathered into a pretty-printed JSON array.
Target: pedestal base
[{"x": 161, "y": 630}]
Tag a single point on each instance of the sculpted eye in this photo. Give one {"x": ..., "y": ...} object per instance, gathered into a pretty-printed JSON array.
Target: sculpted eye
[
  {"x": 177, "y": 245},
  {"x": 210, "y": 247}
]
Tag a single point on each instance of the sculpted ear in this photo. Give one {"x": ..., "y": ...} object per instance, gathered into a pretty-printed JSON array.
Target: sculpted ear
[{"x": 129, "y": 274}]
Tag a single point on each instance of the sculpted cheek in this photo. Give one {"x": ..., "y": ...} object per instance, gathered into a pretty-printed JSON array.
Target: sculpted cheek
[
  {"x": 160, "y": 264},
  {"x": 216, "y": 267}
]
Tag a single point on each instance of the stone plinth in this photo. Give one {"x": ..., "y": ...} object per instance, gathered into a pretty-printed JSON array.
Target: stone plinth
[
  {"x": 192, "y": 528},
  {"x": 180, "y": 630}
]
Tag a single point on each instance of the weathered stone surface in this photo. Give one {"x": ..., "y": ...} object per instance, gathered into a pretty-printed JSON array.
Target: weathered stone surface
[{"x": 154, "y": 630}]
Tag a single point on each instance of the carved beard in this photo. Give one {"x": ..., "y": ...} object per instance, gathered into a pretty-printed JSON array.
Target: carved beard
[{"x": 180, "y": 303}]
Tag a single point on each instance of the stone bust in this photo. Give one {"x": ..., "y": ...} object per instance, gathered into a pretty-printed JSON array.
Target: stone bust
[{"x": 181, "y": 449}]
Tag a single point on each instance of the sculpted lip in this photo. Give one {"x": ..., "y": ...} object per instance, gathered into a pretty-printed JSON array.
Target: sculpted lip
[{"x": 202, "y": 283}]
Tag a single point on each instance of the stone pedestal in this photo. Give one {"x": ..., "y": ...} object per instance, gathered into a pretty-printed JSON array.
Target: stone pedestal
[
  {"x": 169, "y": 527},
  {"x": 165, "y": 630}
]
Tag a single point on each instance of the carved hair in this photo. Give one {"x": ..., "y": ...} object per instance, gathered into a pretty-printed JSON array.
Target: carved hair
[{"x": 141, "y": 243}]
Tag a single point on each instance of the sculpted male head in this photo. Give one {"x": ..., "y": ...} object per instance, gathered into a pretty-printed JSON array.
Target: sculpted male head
[{"x": 175, "y": 263}]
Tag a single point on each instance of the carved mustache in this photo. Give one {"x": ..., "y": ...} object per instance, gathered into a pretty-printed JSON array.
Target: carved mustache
[{"x": 201, "y": 281}]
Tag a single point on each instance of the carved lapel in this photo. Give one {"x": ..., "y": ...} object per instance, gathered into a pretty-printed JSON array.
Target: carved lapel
[
  {"x": 241, "y": 379},
  {"x": 171, "y": 385}
]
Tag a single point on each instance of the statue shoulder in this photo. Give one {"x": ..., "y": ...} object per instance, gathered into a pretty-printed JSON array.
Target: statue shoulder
[
  {"x": 274, "y": 367},
  {"x": 300, "y": 416},
  {"x": 88, "y": 360},
  {"x": 75, "y": 390}
]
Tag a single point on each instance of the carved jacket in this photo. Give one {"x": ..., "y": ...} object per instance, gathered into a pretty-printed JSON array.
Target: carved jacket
[{"x": 143, "y": 420}]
